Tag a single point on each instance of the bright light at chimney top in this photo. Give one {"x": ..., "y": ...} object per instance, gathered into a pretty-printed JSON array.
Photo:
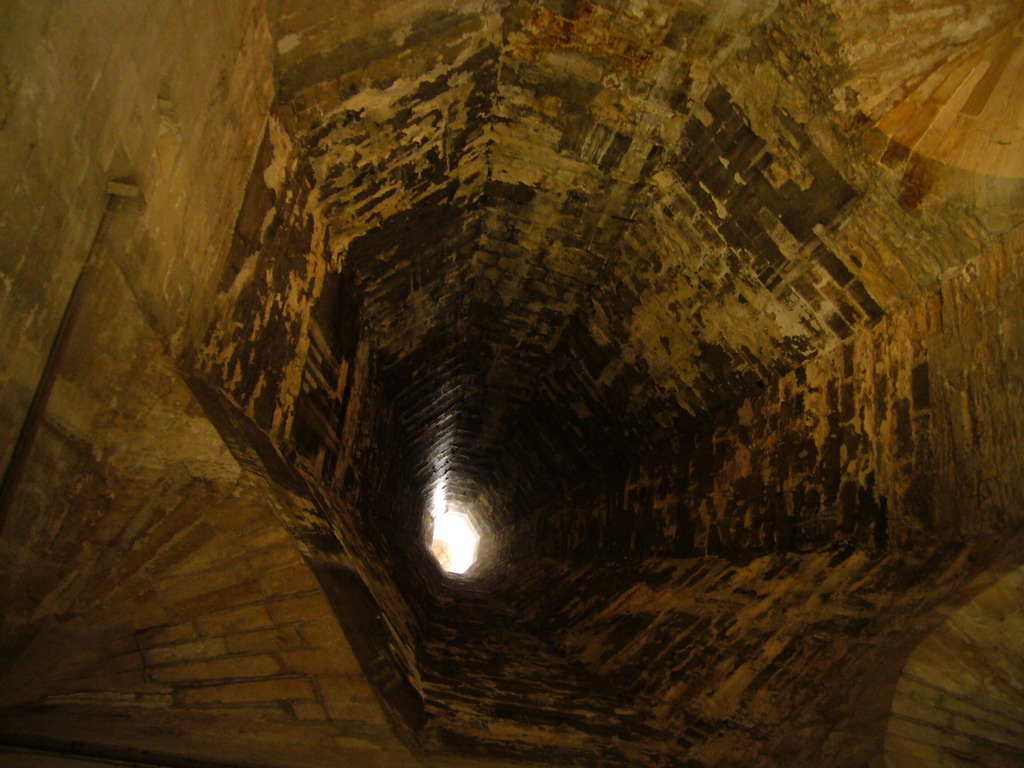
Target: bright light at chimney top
[{"x": 455, "y": 539}]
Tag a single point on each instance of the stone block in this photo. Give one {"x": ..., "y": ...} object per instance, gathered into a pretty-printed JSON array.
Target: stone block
[
  {"x": 234, "y": 620},
  {"x": 288, "y": 580},
  {"x": 276, "y": 639},
  {"x": 174, "y": 633},
  {"x": 308, "y": 710},
  {"x": 200, "y": 649},
  {"x": 276, "y": 689},
  {"x": 308, "y": 607},
  {"x": 233, "y": 667},
  {"x": 332, "y": 661}
]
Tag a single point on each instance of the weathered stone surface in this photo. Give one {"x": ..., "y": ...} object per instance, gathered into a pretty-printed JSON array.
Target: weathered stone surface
[
  {"x": 865, "y": 446},
  {"x": 794, "y": 655},
  {"x": 708, "y": 312},
  {"x": 180, "y": 595},
  {"x": 179, "y": 117},
  {"x": 960, "y": 689}
]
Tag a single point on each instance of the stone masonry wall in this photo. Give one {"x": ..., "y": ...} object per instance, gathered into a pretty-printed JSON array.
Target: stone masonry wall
[
  {"x": 288, "y": 376},
  {"x": 787, "y": 659},
  {"x": 171, "y": 96},
  {"x": 873, "y": 444},
  {"x": 152, "y": 598},
  {"x": 882, "y": 440}
]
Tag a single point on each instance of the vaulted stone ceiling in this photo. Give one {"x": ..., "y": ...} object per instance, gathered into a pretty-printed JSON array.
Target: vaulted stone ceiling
[
  {"x": 710, "y": 310},
  {"x": 574, "y": 226}
]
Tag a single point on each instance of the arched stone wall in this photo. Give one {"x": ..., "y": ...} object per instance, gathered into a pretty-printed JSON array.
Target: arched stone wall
[{"x": 960, "y": 698}]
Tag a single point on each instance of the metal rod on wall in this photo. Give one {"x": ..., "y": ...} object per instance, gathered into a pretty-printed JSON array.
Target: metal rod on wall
[{"x": 41, "y": 396}]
